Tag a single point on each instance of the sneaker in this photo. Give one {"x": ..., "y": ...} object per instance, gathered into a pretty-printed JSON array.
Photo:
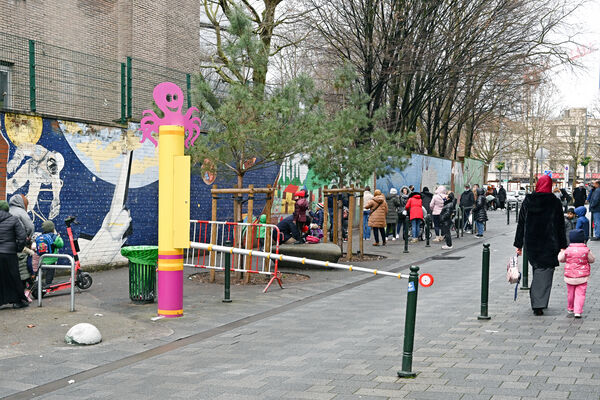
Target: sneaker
[
  {"x": 21, "y": 304},
  {"x": 577, "y": 315},
  {"x": 444, "y": 247},
  {"x": 375, "y": 244},
  {"x": 538, "y": 311},
  {"x": 569, "y": 313},
  {"x": 479, "y": 236}
]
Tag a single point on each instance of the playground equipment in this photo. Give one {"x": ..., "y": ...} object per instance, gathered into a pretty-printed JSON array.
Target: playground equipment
[{"x": 337, "y": 224}]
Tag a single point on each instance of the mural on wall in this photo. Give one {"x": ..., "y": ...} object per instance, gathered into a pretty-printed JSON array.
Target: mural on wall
[
  {"x": 473, "y": 171},
  {"x": 411, "y": 175},
  {"x": 103, "y": 175},
  {"x": 436, "y": 171},
  {"x": 458, "y": 182}
]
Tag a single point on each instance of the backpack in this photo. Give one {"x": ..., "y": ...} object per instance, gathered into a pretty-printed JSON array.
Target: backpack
[{"x": 43, "y": 243}]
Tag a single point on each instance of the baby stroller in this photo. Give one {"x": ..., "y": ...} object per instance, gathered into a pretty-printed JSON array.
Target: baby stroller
[{"x": 426, "y": 217}]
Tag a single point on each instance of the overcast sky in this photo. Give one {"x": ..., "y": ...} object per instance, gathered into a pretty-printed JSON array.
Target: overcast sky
[{"x": 580, "y": 88}]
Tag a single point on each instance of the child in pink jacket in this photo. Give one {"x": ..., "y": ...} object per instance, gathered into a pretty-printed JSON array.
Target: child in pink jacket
[{"x": 578, "y": 258}]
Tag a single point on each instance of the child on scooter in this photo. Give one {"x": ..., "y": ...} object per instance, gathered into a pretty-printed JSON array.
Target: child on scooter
[{"x": 48, "y": 242}]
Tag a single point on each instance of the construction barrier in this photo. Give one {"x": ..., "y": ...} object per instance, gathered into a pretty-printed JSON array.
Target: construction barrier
[{"x": 243, "y": 235}]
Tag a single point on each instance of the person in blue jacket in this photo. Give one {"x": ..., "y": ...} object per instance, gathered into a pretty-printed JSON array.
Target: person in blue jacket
[
  {"x": 582, "y": 222},
  {"x": 595, "y": 209}
]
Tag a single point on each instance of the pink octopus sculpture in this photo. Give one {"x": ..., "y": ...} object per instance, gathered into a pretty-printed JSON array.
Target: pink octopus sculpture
[{"x": 169, "y": 98}]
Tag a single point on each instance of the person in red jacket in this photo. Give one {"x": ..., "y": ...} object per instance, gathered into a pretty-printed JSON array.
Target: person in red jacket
[{"x": 414, "y": 207}]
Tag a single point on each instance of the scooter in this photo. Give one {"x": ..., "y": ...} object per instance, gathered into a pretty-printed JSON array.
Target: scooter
[{"x": 83, "y": 280}]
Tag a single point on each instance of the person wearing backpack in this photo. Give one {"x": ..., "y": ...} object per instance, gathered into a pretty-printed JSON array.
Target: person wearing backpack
[{"x": 48, "y": 242}]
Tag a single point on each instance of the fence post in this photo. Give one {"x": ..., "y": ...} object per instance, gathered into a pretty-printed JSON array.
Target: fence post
[
  {"x": 525, "y": 277},
  {"x": 123, "y": 94},
  {"x": 485, "y": 281},
  {"x": 427, "y": 230},
  {"x": 129, "y": 88},
  {"x": 188, "y": 86},
  {"x": 32, "y": 87},
  {"x": 409, "y": 324},
  {"x": 227, "y": 274},
  {"x": 406, "y": 236}
]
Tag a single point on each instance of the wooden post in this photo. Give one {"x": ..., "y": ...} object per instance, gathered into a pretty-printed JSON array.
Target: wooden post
[
  {"x": 361, "y": 223},
  {"x": 213, "y": 234},
  {"x": 351, "y": 210},
  {"x": 249, "y": 233},
  {"x": 325, "y": 218}
]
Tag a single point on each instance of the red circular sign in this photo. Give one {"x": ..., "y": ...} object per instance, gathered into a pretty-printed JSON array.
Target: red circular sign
[{"x": 426, "y": 280}]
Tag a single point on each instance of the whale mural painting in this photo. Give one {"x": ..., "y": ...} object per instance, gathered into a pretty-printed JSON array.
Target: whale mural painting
[{"x": 101, "y": 174}]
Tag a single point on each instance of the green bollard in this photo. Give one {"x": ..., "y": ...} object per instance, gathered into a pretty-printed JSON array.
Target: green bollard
[
  {"x": 525, "y": 276},
  {"x": 227, "y": 274},
  {"x": 517, "y": 213},
  {"x": 507, "y": 214},
  {"x": 485, "y": 281},
  {"x": 427, "y": 231},
  {"x": 406, "y": 235},
  {"x": 409, "y": 324}
]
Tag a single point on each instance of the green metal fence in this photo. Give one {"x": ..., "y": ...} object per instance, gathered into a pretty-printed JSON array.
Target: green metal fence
[{"x": 52, "y": 80}]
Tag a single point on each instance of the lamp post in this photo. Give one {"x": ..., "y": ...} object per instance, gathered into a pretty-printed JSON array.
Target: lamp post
[{"x": 585, "y": 157}]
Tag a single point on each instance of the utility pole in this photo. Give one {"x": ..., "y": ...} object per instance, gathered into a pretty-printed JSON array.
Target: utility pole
[{"x": 585, "y": 146}]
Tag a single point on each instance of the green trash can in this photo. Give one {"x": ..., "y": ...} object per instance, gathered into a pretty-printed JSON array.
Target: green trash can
[{"x": 142, "y": 272}]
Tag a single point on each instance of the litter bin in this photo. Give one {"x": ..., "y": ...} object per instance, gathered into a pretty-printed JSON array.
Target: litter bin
[{"x": 142, "y": 272}]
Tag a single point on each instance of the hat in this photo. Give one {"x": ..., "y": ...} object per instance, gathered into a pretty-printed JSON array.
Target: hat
[
  {"x": 320, "y": 206},
  {"x": 576, "y": 236},
  {"x": 305, "y": 229},
  {"x": 300, "y": 193},
  {"x": 47, "y": 226},
  {"x": 4, "y": 205},
  {"x": 393, "y": 191}
]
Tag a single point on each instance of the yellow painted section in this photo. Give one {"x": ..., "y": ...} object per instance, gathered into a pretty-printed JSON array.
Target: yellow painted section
[
  {"x": 171, "y": 145},
  {"x": 23, "y": 129},
  {"x": 170, "y": 312},
  {"x": 181, "y": 201}
]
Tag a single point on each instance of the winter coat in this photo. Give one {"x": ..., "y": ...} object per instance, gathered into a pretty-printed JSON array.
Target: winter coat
[
  {"x": 437, "y": 202},
  {"x": 261, "y": 231},
  {"x": 394, "y": 204},
  {"x": 288, "y": 229},
  {"x": 17, "y": 208},
  {"x": 577, "y": 258},
  {"x": 413, "y": 206},
  {"x": 300, "y": 209},
  {"x": 541, "y": 229},
  {"x": 467, "y": 199},
  {"x": 426, "y": 197},
  {"x": 447, "y": 212},
  {"x": 317, "y": 217},
  {"x": 12, "y": 234},
  {"x": 595, "y": 201},
  {"x": 579, "y": 195},
  {"x": 570, "y": 224},
  {"x": 582, "y": 222},
  {"x": 56, "y": 244},
  {"x": 479, "y": 211},
  {"x": 379, "y": 210},
  {"x": 502, "y": 195}
]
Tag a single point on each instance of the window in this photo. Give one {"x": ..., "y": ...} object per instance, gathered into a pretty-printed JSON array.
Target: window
[
  {"x": 573, "y": 131},
  {"x": 5, "y": 87}
]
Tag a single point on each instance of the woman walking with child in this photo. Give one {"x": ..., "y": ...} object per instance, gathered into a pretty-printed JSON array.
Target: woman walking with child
[{"x": 578, "y": 258}]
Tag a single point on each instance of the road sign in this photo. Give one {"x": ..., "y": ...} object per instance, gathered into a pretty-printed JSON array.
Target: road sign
[{"x": 426, "y": 280}]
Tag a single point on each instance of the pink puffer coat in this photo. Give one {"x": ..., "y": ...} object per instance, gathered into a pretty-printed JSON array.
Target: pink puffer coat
[{"x": 578, "y": 258}]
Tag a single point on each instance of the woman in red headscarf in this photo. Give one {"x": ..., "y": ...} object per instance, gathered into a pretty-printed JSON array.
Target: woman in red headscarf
[{"x": 541, "y": 232}]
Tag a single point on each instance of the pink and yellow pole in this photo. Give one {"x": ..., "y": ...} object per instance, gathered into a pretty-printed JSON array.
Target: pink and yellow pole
[
  {"x": 173, "y": 190},
  {"x": 173, "y": 219}
]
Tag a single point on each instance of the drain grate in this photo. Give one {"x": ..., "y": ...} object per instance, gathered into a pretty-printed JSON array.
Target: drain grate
[{"x": 447, "y": 257}]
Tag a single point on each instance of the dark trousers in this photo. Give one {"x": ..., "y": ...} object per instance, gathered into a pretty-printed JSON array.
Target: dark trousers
[
  {"x": 541, "y": 284},
  {"x": 446, "y": 233},
  {"x": 436, "y": 224},
  {"x": 377, "y": 232}
]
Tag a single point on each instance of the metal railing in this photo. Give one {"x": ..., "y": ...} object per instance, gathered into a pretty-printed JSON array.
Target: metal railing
[{"x": 41, "y": 269}]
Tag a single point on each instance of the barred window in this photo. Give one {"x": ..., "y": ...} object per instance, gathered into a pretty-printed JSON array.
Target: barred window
[{"x": 5, "y": 98}]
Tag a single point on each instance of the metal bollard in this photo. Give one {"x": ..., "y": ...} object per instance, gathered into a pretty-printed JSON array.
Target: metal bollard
[
  {"x": 517, "y": 213},
  {"x": 507, "y": 214},
  {"x": 525, "y": 276},
  {"x": 409, "y": 324},
  {"x": 485, "y": 281},
  {"x": 406, "y": 235},
  {"x": 427, "y": 231},
  {"x": 227, "y": 274}
]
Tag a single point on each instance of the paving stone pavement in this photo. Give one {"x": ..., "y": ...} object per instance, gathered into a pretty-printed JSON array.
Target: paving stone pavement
[{"x": 346, "y": 344}]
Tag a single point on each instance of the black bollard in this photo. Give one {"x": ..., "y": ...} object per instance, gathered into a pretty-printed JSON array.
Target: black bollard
[
  {"x": 485, "y": 281},
  {"x": 409, "y": 324},
  {"x": 406, "y": 235},
  {"x": 227, "y": 274},
  {"x": 427, "y": 231},
  {"x": 517, "y": 213},
  {"x": 507, "y": 214},
  {"x": 525, "y": 275}
]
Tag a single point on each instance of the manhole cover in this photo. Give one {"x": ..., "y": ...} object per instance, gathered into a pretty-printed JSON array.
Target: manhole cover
[{"x": 446, "y": 257}]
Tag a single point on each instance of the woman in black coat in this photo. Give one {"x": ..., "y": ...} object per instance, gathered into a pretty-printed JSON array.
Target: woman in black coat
[
  {"x": 12, "y": 241},
  {"x": 479, "y": 212},
  {"x": 541, "y": 232}
]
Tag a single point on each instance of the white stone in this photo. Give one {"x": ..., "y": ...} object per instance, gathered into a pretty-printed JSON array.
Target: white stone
[{"x": 83, "y": 333}]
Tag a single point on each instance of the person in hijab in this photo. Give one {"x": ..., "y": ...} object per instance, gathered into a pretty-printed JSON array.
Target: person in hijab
[
  {"x": 12, "y": 241},
  {"x": 541, "y": 232}
]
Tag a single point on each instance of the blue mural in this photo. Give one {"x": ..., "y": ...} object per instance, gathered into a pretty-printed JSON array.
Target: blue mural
[
  {"x": 104, "y": 176},
  {"x": 411, "y": 175}
]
